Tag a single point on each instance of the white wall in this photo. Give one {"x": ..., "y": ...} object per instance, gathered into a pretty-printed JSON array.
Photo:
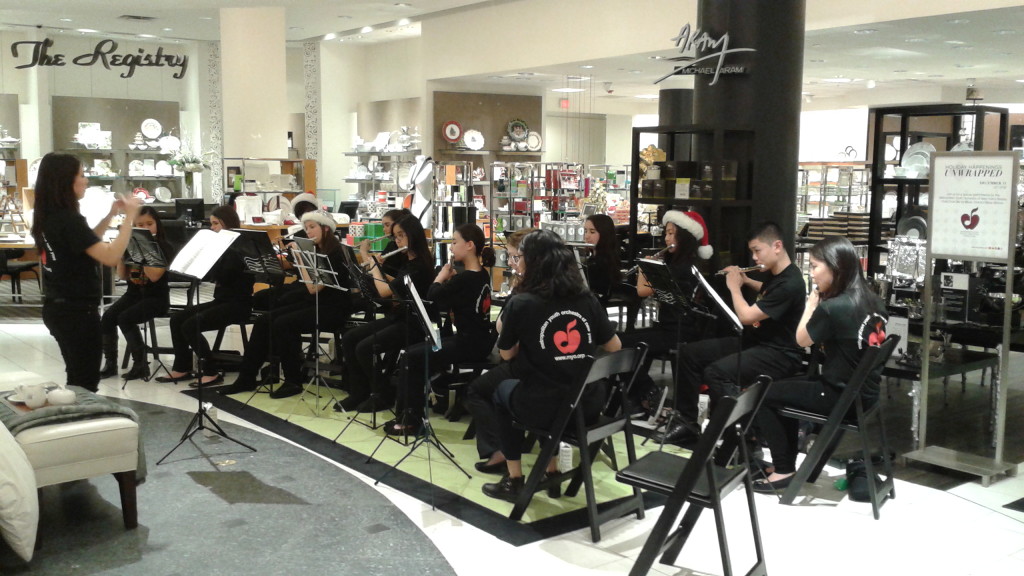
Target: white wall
[
  {"x": 342, "y": 78},
  {"x": 825, "y": 134}
]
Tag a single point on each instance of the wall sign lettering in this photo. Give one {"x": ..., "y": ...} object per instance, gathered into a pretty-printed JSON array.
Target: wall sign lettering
[
  {"x": 704, "y": 55},
  {"x": 104, "y": 54}
]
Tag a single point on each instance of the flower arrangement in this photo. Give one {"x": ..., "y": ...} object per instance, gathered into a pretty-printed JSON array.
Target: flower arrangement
[{"x": 188, "y": 161}]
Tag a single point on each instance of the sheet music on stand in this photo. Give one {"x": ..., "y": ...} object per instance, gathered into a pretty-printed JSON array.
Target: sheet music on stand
[
  {"x": 258, "y": 253},
  {"x": 666, "y": 291},
  {"x": 429, "y": 328},
  {"x": 722, "y": 306},
  {"x": 317, "y": 265},
  {"x": 363, "y": 279},
  {"x": 196, "y": 258},
  {"x": 143, "y": 250}
]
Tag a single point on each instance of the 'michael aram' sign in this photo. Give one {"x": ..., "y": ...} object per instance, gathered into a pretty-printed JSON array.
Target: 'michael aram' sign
[
  {"x": 104, "y": 54},
  {"x": 705, "y": 55}
]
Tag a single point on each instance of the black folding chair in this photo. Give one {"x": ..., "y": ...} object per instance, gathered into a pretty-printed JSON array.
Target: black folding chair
[
  {"x": 837, "y": 422},
  {"x": 702, "y": 480},
  {"x": 570, "y": 426}
]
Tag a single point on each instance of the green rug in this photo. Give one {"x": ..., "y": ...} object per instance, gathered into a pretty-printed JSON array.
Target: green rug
[{"x": 426, "y": 474}]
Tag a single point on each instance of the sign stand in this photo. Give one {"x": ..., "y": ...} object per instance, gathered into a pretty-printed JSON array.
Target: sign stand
[{"x": 973, "y": 216}]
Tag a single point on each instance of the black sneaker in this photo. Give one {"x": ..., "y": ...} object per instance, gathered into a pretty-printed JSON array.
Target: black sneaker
[{"x": 507, "y": 489}]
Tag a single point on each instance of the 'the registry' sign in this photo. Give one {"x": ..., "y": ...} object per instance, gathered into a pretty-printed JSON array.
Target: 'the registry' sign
[
  {"x": 973, "y": 206},
  {"x": 40, "y": 53}
]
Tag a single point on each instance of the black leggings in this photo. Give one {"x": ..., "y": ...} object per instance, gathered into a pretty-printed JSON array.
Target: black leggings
[
  {"x": 780, "y": 433},
  {"x": 128, "y": 312},
  {"x": 187, "y": 327},
  {"x": 76, "y": 327},
  {"x": 419, "y": 358}
]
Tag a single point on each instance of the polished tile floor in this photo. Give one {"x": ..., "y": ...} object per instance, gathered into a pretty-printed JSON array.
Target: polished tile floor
[{"x": 962, "y": 531}]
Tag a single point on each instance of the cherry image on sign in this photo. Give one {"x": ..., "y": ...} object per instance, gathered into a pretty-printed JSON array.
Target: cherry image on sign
[
  {"x": 568, "y": 341},
  {"x": 970, "y": 221}
]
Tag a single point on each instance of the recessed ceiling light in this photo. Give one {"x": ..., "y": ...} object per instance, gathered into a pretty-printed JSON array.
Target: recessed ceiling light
[
  {"x": 965, "y": 65},
  {"x": 1005, "y": 32},
  {"x": 1021, "y": 80},
  {"x": 65, "y": 20},
  {"x": 567, "y": 90},
  {"x": 636, "y": 71},
  {"x": 647, "y": 96},
  {"x": 526, "y": 73},
  {"x": 577, "y": 78},
  {"x": 586, "y": 66},
  {"x": 366, "y": 29},
  {"x": 404, "y": 22},
  {"x": 899, "y": 71},
  {"x": 915, "y": 40},
  {"x": 958, "y": 21},
  {"x": 655, "y": 57},
  {"x": 955, "y": 42},
  {"x": 86, "y": 30},
  {"x": 330, "y": 36},
  {"x": 403, "y": 5},
  {"x": 205, "y": 18},
  {"x": 865, "y": 31},
  {"x": 146, "y": 36},
  {"x": 837, "y": 80},
  {"x": 167, "y": 29}
]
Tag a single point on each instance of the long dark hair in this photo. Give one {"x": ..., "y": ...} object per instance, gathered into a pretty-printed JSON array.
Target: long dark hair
[
  {"x": 551, "y": 269},
  {"x": 227, "y": 215},
  {"x": 606, "y": 251},
  {"x": 470, "y": 232},
  {"x": 415, "y": 236},
  {"x": 328, "y": 241},
  {"x": 55, "y": 190},
  {"x": 686, "y": 247},
  {"x": 841, "y": 258},
  {"x": 160, "y": 236}
]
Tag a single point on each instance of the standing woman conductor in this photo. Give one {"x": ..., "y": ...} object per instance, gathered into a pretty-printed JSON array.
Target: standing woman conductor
[{"x": 70, "y": 251}]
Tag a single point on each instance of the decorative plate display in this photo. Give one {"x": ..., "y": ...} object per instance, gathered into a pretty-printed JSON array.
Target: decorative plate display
[
  {"x": 163, "y": 194},
  {"x": 534, "y": 142},
  {"x": 474, "y": 139},
  {"x": 518, "y": 130},
  {"x": 163, "y": 168},
  {"x": 141, "y": 194},
  {"x": 170, "y": 144},
  {"x": 452, "y": 131},
  {"x": 151, "y": 128},
  {"x": 136, "y": 168}
]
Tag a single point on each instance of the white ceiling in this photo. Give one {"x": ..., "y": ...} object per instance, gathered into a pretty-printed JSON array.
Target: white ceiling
[{"x": 885, "y": 62}]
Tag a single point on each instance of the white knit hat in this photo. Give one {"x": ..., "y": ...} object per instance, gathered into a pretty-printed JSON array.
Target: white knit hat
[
  {"x": 305, "y": 197},
  {"x": 693, "y": 223},
  {"x": 320, "y": 217}
]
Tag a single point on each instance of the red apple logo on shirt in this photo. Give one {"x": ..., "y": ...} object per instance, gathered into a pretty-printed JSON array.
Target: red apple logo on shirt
[
  {"x": 568, "y": 341},
  {"x": 878, "y": 335},
  {"x": 970, "y": 221}
]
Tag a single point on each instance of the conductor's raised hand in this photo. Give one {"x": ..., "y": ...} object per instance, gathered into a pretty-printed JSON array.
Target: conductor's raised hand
[{"x": 131, "y": 206}]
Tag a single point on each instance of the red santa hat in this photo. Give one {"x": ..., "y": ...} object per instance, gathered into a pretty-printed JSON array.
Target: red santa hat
[{"x": 693, "y": 223}]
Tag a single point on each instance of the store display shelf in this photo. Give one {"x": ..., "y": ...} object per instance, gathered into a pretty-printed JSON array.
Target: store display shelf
[{"x": 378, "y": 153}]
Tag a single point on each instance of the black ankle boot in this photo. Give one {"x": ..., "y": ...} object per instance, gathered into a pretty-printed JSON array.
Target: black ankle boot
[
  {"x": 139, "y": 370},
  {"x": 507, "y": 489},
  {"x": 109, "y": 368},
  {"x": 287, "y": 389}
]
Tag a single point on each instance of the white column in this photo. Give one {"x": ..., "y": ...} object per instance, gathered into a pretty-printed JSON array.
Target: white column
[{"x": 254, "y": 82}]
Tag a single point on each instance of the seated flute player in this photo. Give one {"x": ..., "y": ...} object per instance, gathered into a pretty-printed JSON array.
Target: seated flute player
[
  {"x": 297, "y": 309},
  {"x": 769, "y": 340},
  {"x": 842, "y": 318},
  {"x": 467, "y": 297},
  {"x": 552, "y": 325}
]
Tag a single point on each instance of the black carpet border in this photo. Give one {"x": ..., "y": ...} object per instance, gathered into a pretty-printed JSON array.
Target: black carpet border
[{"x": 498, "y": 525}]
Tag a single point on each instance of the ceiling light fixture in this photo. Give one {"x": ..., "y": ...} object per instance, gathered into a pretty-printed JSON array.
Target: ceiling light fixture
[
  {"x": 865, "y": 31},
  {"x": 1005, "y": 32},
  {"x": 586, "y": 66},
  {"x": 567, "y": 90},
  {"x": 404, "y": 22},
  {"x": 403, "y": 5},
  {"x": 958, "y": 21},
  {"x": 330, "y": 36},
  {"x": 65, "y": 20},
  {"x": 366, "y": 29},
  {"x": 871, "y": 84},
  {"x": 86, "y": 30}
]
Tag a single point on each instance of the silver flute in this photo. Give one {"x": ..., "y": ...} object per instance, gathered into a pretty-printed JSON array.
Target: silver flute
[
  {"x": 393, "y": 252},
  {"x": 742, "y": 270}
]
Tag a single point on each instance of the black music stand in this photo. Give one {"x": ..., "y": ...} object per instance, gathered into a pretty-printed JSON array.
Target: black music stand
[
  {"x": 260, "y": 260},
  {"x": 426, "y": 435},
  {"x": 319, "y": 272},
  {"x": 195, "y": 260}
]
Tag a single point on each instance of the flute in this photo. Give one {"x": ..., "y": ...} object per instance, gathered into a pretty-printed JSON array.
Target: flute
[
  {"x": 393, "y": 252},
  {"x": 661, "y": 253},
  {"x": 742, "y": 270}
]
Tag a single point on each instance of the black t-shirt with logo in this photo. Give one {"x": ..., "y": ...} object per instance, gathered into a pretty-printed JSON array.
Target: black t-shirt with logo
[
  {"x": 467, "y": 296},
  {"x": 844, "y": 329},
  {"x": 555, "y": 338},
  {"x": 422, "y": 273},
  {"x": 782, "y": 298},
  {"x": 69, "y": 273},
  {"x": 231, "y": 282}
]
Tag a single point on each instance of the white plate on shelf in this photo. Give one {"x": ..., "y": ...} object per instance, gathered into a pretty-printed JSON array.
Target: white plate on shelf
[
  {"x": 136, "y": 168},
  {"x": 170, "y": 144},
  {"x": 474, "y": 139},
  {"x": 151, "y": 128},
  {"x": 534, "y": 142},
  {"x": 163, "y": 194},
  {"x": 163, "y": 168}
]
